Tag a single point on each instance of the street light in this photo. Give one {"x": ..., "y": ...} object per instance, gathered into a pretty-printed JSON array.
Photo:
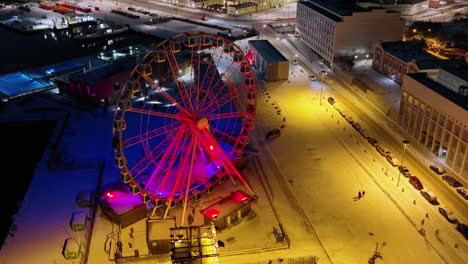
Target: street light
[{"x": 405, "y": 143}]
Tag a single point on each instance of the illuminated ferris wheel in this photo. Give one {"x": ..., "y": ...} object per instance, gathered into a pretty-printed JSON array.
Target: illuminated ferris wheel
[{"x": 183, "y": 117}]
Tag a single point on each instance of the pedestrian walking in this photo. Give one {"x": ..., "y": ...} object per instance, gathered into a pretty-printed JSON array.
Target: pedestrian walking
[
  {"x": 437, "y": 233},
  {"x": 363, "y": 192},
  {"x": 359, "y": 194},
  {"x": 427, "y": 215},
  {"x": 422, "y": 222}
]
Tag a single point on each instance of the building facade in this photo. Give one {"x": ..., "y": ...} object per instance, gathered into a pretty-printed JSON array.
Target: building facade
[
  {"x": 334, "y": 28},
  {"x": 434, "y": 111},
  {"x": 395, "y": 59}
]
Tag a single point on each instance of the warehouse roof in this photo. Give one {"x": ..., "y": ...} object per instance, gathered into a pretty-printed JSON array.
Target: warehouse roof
[{"x": 268, "y": 52}]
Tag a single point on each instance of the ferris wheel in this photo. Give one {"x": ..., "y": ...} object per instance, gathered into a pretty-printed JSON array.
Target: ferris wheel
[{"x": 183, "y": 117}]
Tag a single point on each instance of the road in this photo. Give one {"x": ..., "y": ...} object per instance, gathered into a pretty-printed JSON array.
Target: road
[{"x": 365, "y": 168}]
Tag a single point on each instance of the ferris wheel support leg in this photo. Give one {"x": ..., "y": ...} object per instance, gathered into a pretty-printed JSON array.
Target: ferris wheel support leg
[
  {"x": 189, "y": 179},
  {"x": 153, "y": 212},
  {"x": 167, "y": 209},
  {"x": 228, "y": 164}
]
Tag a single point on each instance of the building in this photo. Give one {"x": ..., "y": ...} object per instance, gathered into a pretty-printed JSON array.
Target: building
[
  {"x": 229, "y": 211},
  {"x": 395, "y": 59},
  {"x": 434, "y": 111},
  {"x": 334, "y": 28},
  {"x": 231, "y": 7},
  {"x": 438, "y": 3},
  {"x": 268, "y": 60}
]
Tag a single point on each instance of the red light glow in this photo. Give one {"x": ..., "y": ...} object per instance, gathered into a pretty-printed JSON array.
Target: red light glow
[{"x": 110, "y": 195}]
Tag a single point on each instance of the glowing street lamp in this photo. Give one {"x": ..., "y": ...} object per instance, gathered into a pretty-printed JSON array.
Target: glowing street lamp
[{"x": 405, "y": 143}]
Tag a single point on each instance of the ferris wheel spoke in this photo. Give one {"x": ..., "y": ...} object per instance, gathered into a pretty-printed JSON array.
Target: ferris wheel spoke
[
  {"x": 165, "y": 129},
  {"x": 235, "y": 140},
  {"x": 148, "y": 159},
  {"x": 169, "y": 149},
  {"x": 232, "y": 95},
  {"x": 227, "y": 163},
  {"x": 174, "y": 66},
  {"x": 175, "y": 153},
  {"x": 165, "y": 94},
  {"x": 154, "y": 113},
  {"x": 219, "y": 85},
  {"x": 182, "y": 169},
  {"x": 225, "y": 115}
]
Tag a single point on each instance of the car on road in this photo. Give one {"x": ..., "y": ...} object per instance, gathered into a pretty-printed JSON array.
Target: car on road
[
  {"x": 295, "y": 62},
  {"x": 429, "y": 196},
  {"x": 356, "y": 125},
  {"x": 405, "y": 171},
  {"x": 363, "y": 133},
  {"x": 312, "y": 78},
  {"x": 392, "y": 160},
  {"x": 448, "y": 214},
  {"x": 463, "y": 229},
  {"x": 437, "y": 169},
  {"x": 331, "y": 100},
  {"x": 381, "y": 150},
  {"x": 452, "y": 181},
  {"x": 373, "y": 141},
  {"x": 273, "y": 134},
  {"x": 349, "y": 119},
  {"x": 463, "y": 192},
  {"x": 417, "y": 184}
]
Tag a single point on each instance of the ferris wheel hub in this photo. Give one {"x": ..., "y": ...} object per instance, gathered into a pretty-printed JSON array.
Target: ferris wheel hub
[{"x": 202, "y": 123}]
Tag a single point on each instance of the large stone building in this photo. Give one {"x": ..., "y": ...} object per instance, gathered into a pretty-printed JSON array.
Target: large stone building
[
  {"x": 334, "y": 28},
  {"x": 434, "y": 111},
  {"x": 396, "y": 58}
]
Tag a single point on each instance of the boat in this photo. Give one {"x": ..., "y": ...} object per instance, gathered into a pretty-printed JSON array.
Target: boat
[{"x": 101, "y": 33}]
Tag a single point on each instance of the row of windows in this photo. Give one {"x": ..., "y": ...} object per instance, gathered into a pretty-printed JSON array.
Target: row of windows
[
  {"x": 316, "y": 31},
  {"x": 441, "y": 118},
  {"x": 438, "y": 132}
]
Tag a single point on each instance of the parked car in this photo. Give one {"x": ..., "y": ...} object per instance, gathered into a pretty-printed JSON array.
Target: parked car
[
  {"x": 331, "y": 100},
  {"x": 356, "y": 125},
  {"x": 463, "y": 229},
  {"x": 463, "y": 192},
  {"x": 363, "y": 133},
  {"x": 381, "y": 150},
  {"x": 452, "y": 181},
  {"x": 392, "y": 160},
  {"x": 349, "y": 118},
  {"x": 273, "y": 134},
  {"x": 312, "y": 78},
  {"x": 429, "y": 196},
  {"x": 413, "y": 180},
  {"x": 373, "y": 141},
  {"x": 448, "y": 214},
  {"x": 437, "y": 169},
  {"x": 405, "y": 171}
]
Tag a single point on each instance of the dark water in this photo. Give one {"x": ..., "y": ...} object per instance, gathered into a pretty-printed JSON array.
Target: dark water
[
  {"x": 20, "y": 153},
  {"x": 20, "y": 51}
]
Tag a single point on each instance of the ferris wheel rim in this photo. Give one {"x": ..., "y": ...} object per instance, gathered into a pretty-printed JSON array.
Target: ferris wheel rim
[{"x": 187, "y": 117}]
